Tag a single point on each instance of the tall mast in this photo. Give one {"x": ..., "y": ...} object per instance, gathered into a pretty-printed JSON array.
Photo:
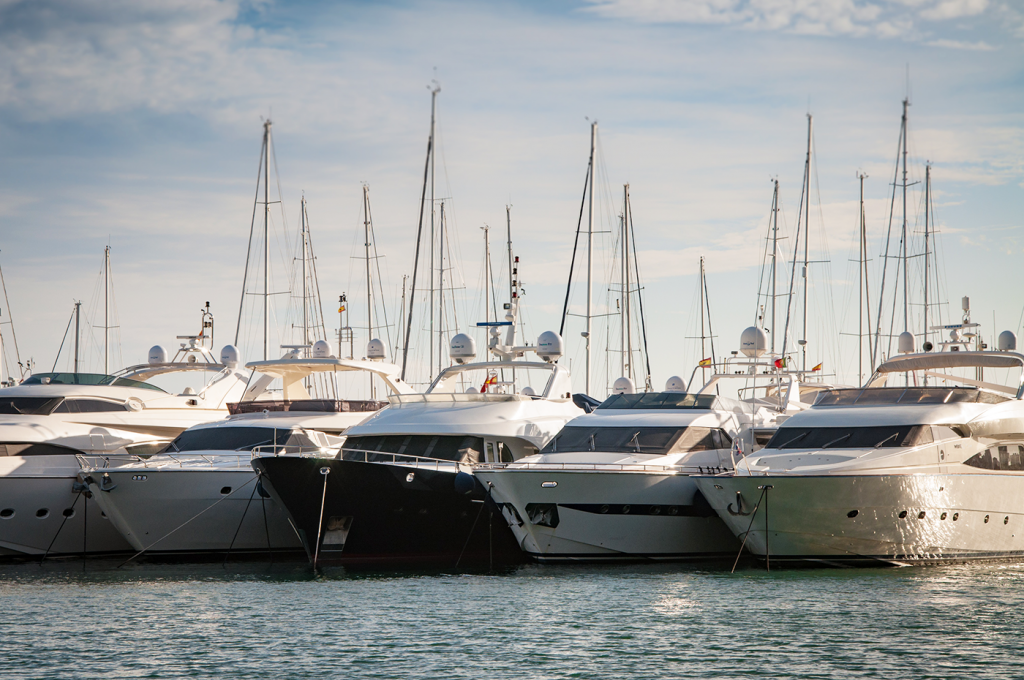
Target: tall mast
[
  {"x": 440, "y": 288},
  {"x": 106, "y": 309},
  {"x": 862, "y": 294},
  {"x": 419, "y": 238},
  {"x": 700, "y": 285},
  {"x": 807, "y": 225},
  {"x": 266, "y": 240},
  {"x": 366, "y": 244},
  {"x": 590, "y": 250},
  {"x": 305, "y": 315},
  {"x": 433, "y": 109},
  {"x": 487, "y": 275},
  {"x": 78, "y": 330},
  {"x": 906, "y": 296},
  {"x": 14, "y": 336},
  {"x": 511, "y": 270},
  {"x": 627, "y": 297},
  {"x": 775, "y": 254},
  {"x": 927, "y": 255},
  {"x": 622, "y": 287}
]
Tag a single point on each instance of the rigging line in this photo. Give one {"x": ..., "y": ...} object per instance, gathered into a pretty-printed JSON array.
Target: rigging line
[
  {"x": 57, "y": 358},
  {"x": 416, "y": 260},
  {"x": 248, "y": 253},
  {"x": 796, "y": 257},
  {"x": 575, "y": 246},
  {"x": 711, "y": 332},
  {"x": 640, "y": 298},
  {"x": 380, "y": 285},
  {"x": 764, "y": 260},
  {"x": 885, "y": 256},
  {"x": 7, "y": 304}
]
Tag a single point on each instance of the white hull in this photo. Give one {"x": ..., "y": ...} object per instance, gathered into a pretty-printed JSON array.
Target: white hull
[
  {"x": 183, "y": 510},
  {"x": 966, "y": 516},
  {"x": 608, "y": 516},
  {"x": 42, "y": 514}
]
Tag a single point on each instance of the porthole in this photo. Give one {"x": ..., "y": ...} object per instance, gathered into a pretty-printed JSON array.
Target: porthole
[
  {"x": 852, "y": 513},
  {"x": 942, "y": 516},
  {"x": 920, "y": 515},
  {"x": 673, "y": 510},
  {"x": 43, "y": 513},
  {"x": 655, "y": 509},
  {"x": 956, "y": 516},
  {"x": 7, "y": 513},
  {"x": 225, "y": 490},
  {"x": 69, "y": 512},
  {"x": 604, "y": 509},
  {"x": 625, "y": 509},
  {"x": 903, "y": 514},
  {"x": 986, "y": 519},
  {"x": 1006, "y": 520}
]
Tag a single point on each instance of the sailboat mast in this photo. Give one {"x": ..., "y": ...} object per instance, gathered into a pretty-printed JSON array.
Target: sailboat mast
[
  {"x": 366, "y": 244},
  {"x": 511, "y": 270},
  {"x": 627, "y": 297},
  {"x": 266, "y": 240},
  {"x": 433, "y": 109},
  {"x": 487, "y": 275},
  {"x": 807, "y": 235},
  {"x": 775, "y": 254},
  {"x": 305, "y": 306},
  {"x": 78, "y": 331},
  {"x": 700, "y": 285},
  {"x": 861, "y": 275},
  {"x": 906, "y": 294},
  {"x": 590, "y": 251},
  {"x": 106, "y": 309},
  {"x": 927, "y": 254},
  {"x": 622, "y": 287},
  {"x": 419, "y": 238}
]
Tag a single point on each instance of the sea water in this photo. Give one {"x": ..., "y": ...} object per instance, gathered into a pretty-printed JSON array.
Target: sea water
[{"x": 98, "y": 620}]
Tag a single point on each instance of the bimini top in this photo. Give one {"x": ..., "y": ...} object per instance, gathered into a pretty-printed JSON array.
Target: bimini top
[
  {"x": 933, "y": 364},
  {"x": 292, "y": 371}
]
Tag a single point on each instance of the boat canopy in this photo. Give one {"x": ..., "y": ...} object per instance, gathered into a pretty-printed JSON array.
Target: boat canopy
[{"x": 923, "y": 362}]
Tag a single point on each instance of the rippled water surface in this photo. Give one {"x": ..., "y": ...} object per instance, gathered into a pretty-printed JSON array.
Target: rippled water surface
[{"x": 642, "y": 621}]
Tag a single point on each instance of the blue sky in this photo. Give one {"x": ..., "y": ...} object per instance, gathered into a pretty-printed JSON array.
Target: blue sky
[{"x": 140, "y": 126}]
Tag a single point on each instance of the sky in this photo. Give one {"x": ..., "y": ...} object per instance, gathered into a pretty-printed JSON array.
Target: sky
[{"x": 139, "y": 126}]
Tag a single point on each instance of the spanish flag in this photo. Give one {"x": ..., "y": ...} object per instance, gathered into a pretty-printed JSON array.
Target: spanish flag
[
  {"x": 704, "y": 363},
  {"x": 780, "y": 363},
  {"x": 490, "y": 381},
  {"x": 816, "y": 368},
  {"x": 341, "y": 309}
]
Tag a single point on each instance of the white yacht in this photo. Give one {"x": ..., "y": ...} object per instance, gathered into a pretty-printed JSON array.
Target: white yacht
[
  {"x": 202, "y": 495},
  {"x": 925, "y": 463},
  {"x": 402, "y": 490},
  {"x": 51, "y": 420},
  {"x": 617, "y": 484}
]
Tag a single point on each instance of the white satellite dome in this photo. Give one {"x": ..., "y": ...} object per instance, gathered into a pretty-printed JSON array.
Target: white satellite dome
[
  {"x": 550, "y": 346},
  {"x": 229, "y": 356},
  {"x": 462, "y": 348},
  {"x": 322, "y": 349},
  {"x": 675, "y": 384},
  {"x": 753, "y": 341},
  {"x": 529, "y": 392},
  {"x": 376, "y": 350},
  {"x": 157, "y": 355},
  {"x": 623, "y": 386},
  {"x": 906, "y": 342},
  {"x": 1007, "y": 341}
]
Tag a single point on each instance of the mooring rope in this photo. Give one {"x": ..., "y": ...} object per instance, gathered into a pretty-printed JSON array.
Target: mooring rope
[
  {"x": 764, "y": 490},
  {"x": 239, "y": 527},
  {"x": 323, "y": 502},
  {"x": 61, "y": 527},
  {"x": 466, "y": 544}
]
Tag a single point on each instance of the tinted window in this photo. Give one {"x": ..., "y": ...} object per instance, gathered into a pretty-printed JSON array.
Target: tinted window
[
  {"x": 649, "y": 440},
  {"x": 36, "y": 449},
  {"x": 90, "y": 406},
  {"x": 659, "y": 400},
  {"x": 850, "y": 437},
  {"x": 444, "y": 447},
  {"x": 1003, "y": 457},
  {"x": 86, "y": 379},
  {"x": 228, "y": 439},
  {"x": 31, "y": 406}
]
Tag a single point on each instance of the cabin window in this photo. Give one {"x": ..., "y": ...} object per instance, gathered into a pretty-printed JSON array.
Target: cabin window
[
  {"x": 90, "y": 406},
  {"x": 885, "y": 436},
  {"x": 36, "y": 449},
  {"x": 1002, "y": 457},
  {"x": 443, "y": 447},
  {"x": 646, "y": 440},
  {"x": 28, "y": 406},
  {"x": 228, "y": 439}
]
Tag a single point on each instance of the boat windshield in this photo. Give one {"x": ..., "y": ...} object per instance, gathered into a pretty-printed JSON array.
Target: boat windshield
[
  {"x": 28, "y": 406},
  {"x": 648, "y": 440},
  {"x": 883, "y": 436},
  {"x": 660, "y": 400},
  {"x": 876, "y": 396},
  {"x": 237, "y": 439},
  {"x": 465, "y": 449},
  {"x": 86, "y": 379}
]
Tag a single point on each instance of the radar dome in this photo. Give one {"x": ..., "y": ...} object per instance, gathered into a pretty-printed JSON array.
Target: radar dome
[
  {"x": 753, "y": 341},
  {"x": 906, "y": 342},
  {"x": 549, "y": 346},
  {"x": 376, "y": 350},
  {"x": 623, "y": 386},
  {"x": 529, "y": 392},
  {"x": 462, "y": 348},
  {"x": 157, "y": 355},
  {"x": 1007, "y": 341},
  {"x": 322, "y": 349},
  {"x": 675, "y": 384},
  {"x": 229, "y": 356}
]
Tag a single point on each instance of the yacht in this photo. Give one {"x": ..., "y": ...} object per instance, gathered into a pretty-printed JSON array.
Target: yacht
[
  {"x": 923, "y": 464},
  {"x": 618, "y": 483},
  {"x": 201, "y": 495},
  {"x": 401, "y": 489},
  {"x": 52, "y": 421}
]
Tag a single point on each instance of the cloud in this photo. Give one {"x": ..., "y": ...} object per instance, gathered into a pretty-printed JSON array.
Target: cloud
[
  {"x": 979, "y": 46},
  {"x": 907, "y": 19}
]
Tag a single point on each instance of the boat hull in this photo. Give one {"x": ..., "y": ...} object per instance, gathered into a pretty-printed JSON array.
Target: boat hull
[
  {"x": 873, "y": 519},
  {"x": 183, "y": 511},
  {"x": 43, "y": 512},
  {"x": 608, "y": 516},
  {"x": 362, "y": 513}
]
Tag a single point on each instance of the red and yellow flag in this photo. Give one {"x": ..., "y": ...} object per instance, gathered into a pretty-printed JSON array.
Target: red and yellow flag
[
  {"x": 816, "y": 368},
  {"x": 490, "y": 381},
  {"x": 704, "y": 363}
]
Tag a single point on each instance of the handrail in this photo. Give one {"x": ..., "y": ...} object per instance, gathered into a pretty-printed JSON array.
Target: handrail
[
  {"x": 605, "y": 467},
  {"x": 364, "y": 455}
]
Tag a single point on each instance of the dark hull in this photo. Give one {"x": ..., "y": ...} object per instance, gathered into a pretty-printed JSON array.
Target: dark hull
[{"x": 373, "y": 514}]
